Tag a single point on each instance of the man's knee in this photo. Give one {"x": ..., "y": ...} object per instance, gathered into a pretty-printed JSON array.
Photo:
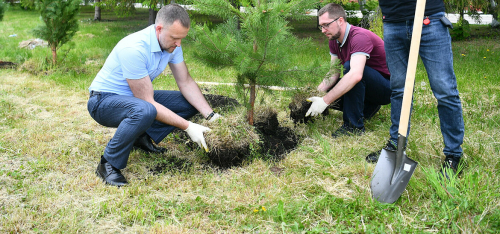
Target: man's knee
[{"x": 145, "y": 112}]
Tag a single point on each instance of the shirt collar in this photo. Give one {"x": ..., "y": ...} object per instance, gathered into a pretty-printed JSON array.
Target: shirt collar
[
  {"x": 155, "y": 45},
  {"x": 347, "y": 29}
]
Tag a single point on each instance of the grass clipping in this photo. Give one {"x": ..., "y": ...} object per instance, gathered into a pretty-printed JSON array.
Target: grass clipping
[{"x": 231, "y": 140}]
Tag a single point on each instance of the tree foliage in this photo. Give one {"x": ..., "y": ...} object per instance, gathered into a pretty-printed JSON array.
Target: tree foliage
[
  {"x": 462, "y": 7},
  {"x": 59, "y": 22},
  {"x": 256, "y": 41},
  {"x": 28, "y": 4},
  {"x": 2, "y": 9}
]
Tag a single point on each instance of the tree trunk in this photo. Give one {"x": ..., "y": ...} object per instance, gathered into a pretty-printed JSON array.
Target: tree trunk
[
  {"x": 253, "y": 81},
  {"x": 494, "y": 22},
  {"x": 461, "y": 17},
  {"x": 317, "y": 16},
  {"x": 97, "y": 12},
  {"x": 152, "y": 16},
  {"x": 365, "y": 23},
  {"x": 252, "y": 103},
  {"x": 54, "y": 54}
]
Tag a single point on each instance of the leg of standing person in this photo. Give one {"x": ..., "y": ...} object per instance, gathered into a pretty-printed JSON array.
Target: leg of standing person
[
  {"x": 437, "y": 56},
  {"x": 436, "y": 53},
  {"x": 397, "y": 40}
]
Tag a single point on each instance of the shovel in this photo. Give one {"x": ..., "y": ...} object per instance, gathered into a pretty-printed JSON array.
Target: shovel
[{"x": 394, "y": 169}]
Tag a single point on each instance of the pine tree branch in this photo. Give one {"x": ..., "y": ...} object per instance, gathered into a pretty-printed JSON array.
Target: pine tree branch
[
  {"x": 210, "y": 39},
  {"x": 235, "y": 11}
]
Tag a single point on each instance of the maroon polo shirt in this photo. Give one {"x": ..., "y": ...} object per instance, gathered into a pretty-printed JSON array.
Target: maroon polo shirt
[{"x": 360, "y": 40}]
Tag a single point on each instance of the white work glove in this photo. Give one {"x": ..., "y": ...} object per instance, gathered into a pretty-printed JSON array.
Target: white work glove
[
  {"x": 317, "y": 107},
  {"x": 214, "y": 117},
  {"x": 195, "y": 132}
]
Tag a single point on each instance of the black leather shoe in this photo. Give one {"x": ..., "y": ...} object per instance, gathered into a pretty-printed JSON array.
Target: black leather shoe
[
  {"x": 145, "y": 144},
  {"x": 110, "y": 174},
  {"x": 450, "y": 167},
  {"x": 373, "y": 156}
]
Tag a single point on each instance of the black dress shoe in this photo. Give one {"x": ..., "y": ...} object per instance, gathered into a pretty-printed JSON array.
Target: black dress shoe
[
  {"x": 373, "y": 156},
  {"x": 145, "y": 143},
  {"x": 110, "y": 174}
]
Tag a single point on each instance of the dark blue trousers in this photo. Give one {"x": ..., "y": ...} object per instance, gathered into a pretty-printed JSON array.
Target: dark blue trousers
[
  {"x": 365, "y": 98},
  {"x": 132, "y": 117}
]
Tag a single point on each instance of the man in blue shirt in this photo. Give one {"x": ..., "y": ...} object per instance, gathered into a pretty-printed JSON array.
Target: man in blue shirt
[{"x": 122, "y": 93}]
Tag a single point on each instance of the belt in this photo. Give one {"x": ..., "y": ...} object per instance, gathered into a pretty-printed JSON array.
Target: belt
[{"x": 92, "y": 93}]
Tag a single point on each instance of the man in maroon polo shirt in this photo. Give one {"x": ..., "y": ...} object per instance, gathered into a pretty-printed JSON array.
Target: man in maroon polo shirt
[{"x": 365, "y": 85}]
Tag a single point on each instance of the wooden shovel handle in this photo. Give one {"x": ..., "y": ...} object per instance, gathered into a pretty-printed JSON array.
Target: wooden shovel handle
[{"x": 412, "y": 67}]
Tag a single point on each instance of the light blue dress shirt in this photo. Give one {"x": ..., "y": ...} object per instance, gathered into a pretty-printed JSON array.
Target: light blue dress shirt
[{"x": 134, "y": 57}]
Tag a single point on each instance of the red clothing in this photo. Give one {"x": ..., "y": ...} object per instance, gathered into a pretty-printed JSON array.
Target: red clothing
[{"x": 360, "y": 40}]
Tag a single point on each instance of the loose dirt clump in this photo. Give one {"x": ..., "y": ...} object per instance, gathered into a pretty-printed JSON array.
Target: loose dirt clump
[
  {"x": 298, "y": 110},
  {"x": 299, "y": 106}
]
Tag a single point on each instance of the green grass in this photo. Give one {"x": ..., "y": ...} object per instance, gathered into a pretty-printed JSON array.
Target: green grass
[{"x": 49, "y": 147}]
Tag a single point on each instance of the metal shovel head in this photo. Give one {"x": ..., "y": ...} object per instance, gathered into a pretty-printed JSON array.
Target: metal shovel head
[{"x": 390, "y": 178}]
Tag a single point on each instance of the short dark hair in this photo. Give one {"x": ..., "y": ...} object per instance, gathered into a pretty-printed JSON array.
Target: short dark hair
[
  {"x": 334, "y": 10},
  {"x": 168, "y": 14}
]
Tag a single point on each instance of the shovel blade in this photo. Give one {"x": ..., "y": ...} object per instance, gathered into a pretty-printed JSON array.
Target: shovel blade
[{"x": 382, "y": 187}]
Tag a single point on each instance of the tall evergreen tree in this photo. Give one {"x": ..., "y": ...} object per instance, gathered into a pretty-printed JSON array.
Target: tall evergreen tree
[
  {"x": 59, "y": 22},
  {"x": 260, "y": 48}
]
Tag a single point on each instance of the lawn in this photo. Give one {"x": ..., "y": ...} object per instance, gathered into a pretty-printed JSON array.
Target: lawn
[{"x": 50, "y": 146}]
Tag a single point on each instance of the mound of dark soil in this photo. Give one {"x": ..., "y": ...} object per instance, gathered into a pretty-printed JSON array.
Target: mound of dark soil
[
  {"x": 221, "y": 102},
  {"x": 218, "y": 103},
  {"x": 276, "y": 141},
  {"x": 4, "y": 65},
  {"x": 230, "y": 157}
]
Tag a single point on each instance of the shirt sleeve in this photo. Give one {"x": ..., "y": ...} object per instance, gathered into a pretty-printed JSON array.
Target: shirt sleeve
[
  {"x": 177, "y": 56},
  {"x": 133, "y": 63},
  {"x": 361, "y": 43}
]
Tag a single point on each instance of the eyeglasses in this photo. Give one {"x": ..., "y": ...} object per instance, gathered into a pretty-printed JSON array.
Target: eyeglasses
[{"x": 321, "y": 27}]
